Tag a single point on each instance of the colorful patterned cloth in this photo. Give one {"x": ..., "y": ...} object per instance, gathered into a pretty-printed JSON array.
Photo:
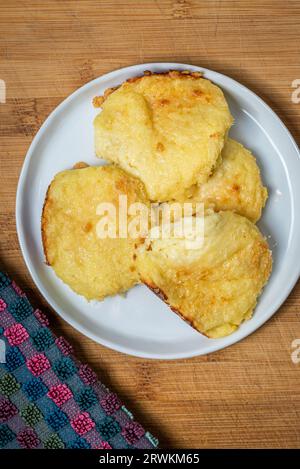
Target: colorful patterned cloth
[{"x": 48, "y": 399}]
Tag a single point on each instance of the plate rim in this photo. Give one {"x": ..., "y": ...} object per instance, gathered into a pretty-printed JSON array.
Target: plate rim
[{"x": 215, "y": 346}]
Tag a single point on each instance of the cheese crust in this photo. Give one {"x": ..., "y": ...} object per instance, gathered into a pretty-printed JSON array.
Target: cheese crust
[
  {"x": 235, "y": 184},
  {"x": 167, "y": 129},
  {"x": 215, "y": 286},
  {"x": 91, "y": 266}
]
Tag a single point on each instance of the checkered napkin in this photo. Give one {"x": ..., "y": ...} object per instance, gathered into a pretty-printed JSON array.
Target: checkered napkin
[{"x": 48, "y": 399}]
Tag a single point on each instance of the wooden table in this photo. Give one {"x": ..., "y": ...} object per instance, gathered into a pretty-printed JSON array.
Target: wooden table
[{"x": 249, "y": 394}]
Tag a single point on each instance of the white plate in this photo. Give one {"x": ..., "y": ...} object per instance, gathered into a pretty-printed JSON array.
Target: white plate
[{"x": 141, "y": 324}]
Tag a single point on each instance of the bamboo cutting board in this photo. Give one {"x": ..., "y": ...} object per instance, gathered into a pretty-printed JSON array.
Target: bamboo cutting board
[{"x": 244, "y": 396}]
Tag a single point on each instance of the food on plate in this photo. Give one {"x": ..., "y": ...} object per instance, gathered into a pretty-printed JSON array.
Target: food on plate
[
  {"x": 166, "y": 135},
  {"x": 93, "y": 267},
  {"x": 168, "y": 129},
  {"x": 234, "y": 185},
  {"x": 213, "y": 284}
]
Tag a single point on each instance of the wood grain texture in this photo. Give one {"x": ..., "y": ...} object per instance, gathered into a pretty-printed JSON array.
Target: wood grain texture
[{"x": 249, "y": 394}]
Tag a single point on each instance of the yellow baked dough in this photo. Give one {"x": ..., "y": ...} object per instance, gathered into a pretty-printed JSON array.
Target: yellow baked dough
[
  {"x": 234, "y": 185},
  {"x": 215, "y": 286},
  {"x": 167, "y": 129},
  {"x": 91, "y": 266}
]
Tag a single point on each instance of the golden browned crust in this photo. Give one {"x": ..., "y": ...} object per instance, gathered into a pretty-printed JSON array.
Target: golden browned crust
[
  {"x": 43, "y": 225},
  {"x": 161, "y": 294},
  {"x": 80, "y": 165},
  {"x": 170, "y": 73},
  {"x": 99, "y": 100}
]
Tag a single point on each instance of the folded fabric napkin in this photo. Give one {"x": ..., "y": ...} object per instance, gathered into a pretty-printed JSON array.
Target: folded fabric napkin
[{"x": 49, "y": 399}]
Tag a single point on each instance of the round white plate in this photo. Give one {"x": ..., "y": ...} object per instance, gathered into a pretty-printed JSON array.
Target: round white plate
[{"x": 141, "y": 324}]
